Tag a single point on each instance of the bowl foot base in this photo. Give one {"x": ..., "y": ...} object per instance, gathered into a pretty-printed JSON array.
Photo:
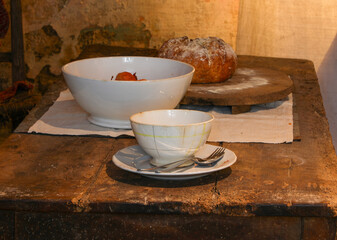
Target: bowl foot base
[{"x": 109, "y": 123}]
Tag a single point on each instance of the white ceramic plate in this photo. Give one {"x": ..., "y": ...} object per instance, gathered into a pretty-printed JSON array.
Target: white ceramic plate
[{"x": 133, "y": 157}]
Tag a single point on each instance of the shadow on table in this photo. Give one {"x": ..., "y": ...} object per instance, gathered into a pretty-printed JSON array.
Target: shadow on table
[{"x": 138, "y": 180}]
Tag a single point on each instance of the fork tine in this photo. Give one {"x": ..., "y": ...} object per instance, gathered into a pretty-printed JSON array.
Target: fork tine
[
  {"x": 215, "y": 153},
  {"x": 219, "y": 153},
  {"x": 222, "y": 151}
]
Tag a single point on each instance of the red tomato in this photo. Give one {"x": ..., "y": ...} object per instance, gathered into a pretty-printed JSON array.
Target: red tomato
[{"x": 126, "y": 76}]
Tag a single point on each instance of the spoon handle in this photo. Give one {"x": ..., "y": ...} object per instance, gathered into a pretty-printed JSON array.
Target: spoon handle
[
  {"x": 179, "y": 162},
  {"x": 172, "y": 166}
]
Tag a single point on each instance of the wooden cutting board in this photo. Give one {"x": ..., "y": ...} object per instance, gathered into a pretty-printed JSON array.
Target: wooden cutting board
[{"x": 247, "y": 87}]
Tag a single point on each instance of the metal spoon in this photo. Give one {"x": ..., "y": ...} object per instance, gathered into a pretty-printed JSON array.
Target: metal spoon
[
  {"x": 214, "y": 156},
  {"x": 217, "y": 155}
]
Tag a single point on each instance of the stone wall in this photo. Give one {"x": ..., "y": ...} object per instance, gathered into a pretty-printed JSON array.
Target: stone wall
[{"x": 56, "y": 31}]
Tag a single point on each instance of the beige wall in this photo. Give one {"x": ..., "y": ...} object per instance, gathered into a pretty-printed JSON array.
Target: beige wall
[{"x": 295, "y": 29}]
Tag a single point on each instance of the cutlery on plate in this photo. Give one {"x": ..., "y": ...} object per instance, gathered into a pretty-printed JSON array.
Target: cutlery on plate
[
  {"x": 215, "y": 156},
  {"x": 209, "y": 161}
]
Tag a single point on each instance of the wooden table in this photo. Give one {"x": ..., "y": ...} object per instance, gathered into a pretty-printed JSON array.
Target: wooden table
[{"x": 66, "y": 187}]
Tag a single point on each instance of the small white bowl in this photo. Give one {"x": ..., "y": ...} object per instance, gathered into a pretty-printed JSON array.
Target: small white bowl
[
  {"x": 110, "y": 103},
  {"x": 171, "y": 135}
]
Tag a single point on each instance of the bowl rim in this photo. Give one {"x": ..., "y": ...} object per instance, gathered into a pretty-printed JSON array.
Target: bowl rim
[
  {"x": 177, "y": 125},
  {"x": 64, "y": 70}
]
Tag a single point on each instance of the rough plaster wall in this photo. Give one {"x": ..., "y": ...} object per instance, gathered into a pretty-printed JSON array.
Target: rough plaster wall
[
  {"x": 295, "y": 29},
  {"x": 57, "y": 30}
]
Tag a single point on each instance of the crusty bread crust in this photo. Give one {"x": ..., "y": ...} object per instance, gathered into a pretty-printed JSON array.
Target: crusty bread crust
[{"x": 214, "y": 60}]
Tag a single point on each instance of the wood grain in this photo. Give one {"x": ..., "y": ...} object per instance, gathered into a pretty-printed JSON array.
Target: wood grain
[
  {"x": 247, "y": 87},
  {"x": 71, "y": 179}
]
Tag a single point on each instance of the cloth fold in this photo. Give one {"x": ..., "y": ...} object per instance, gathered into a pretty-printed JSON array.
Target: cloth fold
[{"x": 266, "y": 123}]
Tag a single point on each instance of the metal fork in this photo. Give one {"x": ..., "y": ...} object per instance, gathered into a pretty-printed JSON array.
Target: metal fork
[
  {"x": 215, "y": 155},
  {"x": 209, "y": 161}
]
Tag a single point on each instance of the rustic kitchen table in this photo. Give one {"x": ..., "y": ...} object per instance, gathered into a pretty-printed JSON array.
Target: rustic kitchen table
[{"x": 66, "y": 187}]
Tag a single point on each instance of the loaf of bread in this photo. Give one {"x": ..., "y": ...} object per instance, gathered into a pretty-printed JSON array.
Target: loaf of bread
[{"x": 214, "y": 60}]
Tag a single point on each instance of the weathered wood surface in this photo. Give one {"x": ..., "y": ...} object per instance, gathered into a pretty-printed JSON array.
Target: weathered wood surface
[
  {"x": 168, "y": 227},
  {"x": 247, "y": 87},
  {"x": 71, "y": 175}
]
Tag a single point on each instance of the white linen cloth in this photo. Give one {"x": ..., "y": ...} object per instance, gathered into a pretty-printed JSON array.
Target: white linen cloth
[{"x": 267, "y": 123}]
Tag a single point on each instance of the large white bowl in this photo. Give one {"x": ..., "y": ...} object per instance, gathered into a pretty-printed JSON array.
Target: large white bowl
[
  {"x": 171, "y": 135},
  {"x": 110, "y": 103}
]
